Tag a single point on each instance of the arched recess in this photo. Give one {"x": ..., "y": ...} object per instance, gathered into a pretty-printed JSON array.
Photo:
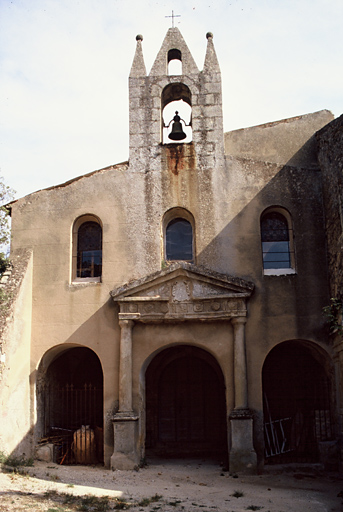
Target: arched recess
[
  {"x": 70, "y": 404},
  {"x": 185, "y": 404},
  {"x": 176, "y": 97},
  {"x": 297, "y": 402}
]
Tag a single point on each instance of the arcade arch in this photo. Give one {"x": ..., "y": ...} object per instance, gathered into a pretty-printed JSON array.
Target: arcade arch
[
  {"x": 297, "y": 402},
  {"x": 70, "y": 404},
  {"x": 185, "y": 404}
]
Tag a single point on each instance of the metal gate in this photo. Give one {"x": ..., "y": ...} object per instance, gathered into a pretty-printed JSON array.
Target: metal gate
[
  {"x": 73, "y": 423},
  {"x": 295, "y": 438}
]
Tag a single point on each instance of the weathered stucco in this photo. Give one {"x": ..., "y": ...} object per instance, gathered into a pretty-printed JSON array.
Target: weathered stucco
[
  {"x": 289, "y": 141},
  {"x": 225, "y": 194},
  {"x": 16, "y": 406}
]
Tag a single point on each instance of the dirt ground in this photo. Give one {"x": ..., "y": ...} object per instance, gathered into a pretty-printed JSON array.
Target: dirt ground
[{"x": 169, "y": 486}]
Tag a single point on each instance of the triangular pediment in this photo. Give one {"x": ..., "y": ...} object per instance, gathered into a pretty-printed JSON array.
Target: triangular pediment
[
  {"x": 183, "y": 291},
  {"x": 201, "y": 283}
]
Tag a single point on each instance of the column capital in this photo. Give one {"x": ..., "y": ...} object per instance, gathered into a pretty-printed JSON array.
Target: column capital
[
  {"x": 126, "y": 323},
  {"x": 241, "y": 414},
  {"x": 239, "y": 320}
]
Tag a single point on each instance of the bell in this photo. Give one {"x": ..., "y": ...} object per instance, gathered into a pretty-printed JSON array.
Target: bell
[{"x": 177, "y": 132}]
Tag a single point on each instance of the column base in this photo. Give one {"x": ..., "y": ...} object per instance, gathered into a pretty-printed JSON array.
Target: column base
[
  {"x": 125, "y": 455},
  {"x": 243, "y": 458}
]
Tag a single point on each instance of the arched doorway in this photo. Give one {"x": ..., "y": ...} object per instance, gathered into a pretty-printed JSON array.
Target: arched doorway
[
  {"x": 297, "y": 402},
  {"x": 185, "y": 404},
  {"x": 72, "y": 406}
]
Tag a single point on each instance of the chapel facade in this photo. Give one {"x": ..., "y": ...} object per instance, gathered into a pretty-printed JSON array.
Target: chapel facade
[{"x": 173, "y": 304}]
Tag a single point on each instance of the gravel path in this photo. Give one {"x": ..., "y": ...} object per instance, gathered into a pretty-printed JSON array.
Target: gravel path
[{"x": 171, "y": 486}]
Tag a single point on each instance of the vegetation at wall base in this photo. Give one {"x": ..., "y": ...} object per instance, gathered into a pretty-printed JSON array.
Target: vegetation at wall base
[
  {"x": 14, "y": 461},
  {"x": 334, "y": 313}
]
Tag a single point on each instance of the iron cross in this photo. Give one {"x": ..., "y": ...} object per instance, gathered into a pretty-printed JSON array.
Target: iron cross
[{"x": 173, "y": 16}]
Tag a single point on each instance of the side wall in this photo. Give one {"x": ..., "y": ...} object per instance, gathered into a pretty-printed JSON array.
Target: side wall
[
  {"x": 330, "y": 154},
  {"x": 289, "y": 141},
  {"x": 16, "y": 412}
]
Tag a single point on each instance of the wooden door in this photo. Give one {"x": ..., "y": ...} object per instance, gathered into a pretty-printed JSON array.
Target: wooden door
[{"x": 189, "y": 408}]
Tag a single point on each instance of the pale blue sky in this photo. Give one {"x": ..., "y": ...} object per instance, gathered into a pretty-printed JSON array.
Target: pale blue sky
[{"x": 64, "y": 66}]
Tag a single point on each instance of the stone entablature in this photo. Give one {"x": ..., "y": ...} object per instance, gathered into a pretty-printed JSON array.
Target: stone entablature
[
  {"x": 183, "y": 292},
  {"x": 155, "y": 309}
]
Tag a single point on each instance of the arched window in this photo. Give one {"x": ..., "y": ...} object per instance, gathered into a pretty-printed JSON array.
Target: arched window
[
  {"x": 176, "y": 97},
  {"x": 178, "y": 235},
  {"x": 179, "y": 240},
  {"x": 277, "y": 239},
  {"x": 87, "y": 249}
]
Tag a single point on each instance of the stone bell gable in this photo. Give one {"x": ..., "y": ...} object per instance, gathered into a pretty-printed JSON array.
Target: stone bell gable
[
  {"x": 173, "y": 40},
  {"x": 150, "y": 94},
  {"x": 183, "y": 292}
]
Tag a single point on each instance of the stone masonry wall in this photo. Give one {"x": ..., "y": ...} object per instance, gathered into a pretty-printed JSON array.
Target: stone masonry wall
[
  {"x": 330, "y": 155},
  {"x": 10, "y": 284},
  {"x": 330, "y": 145}
]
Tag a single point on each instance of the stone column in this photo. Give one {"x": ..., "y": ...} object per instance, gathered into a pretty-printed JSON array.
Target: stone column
[
  {"x": 240, "y": 364},
  {"x": 242, "y": 455},
  {"x": 125, "y": 421},
  {"x": 125, "y": 366}
]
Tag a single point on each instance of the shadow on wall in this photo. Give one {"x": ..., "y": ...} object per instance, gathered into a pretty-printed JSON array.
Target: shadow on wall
[
  {"x": 289, "y": 305},
  {"x": 282, "y": 307},
  {"x": 237, "y": 251}
]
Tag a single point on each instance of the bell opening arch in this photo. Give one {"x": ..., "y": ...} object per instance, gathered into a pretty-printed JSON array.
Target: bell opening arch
[{"x": 176, "y": 108}]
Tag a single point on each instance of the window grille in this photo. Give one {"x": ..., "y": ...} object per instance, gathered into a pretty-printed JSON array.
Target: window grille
[{"x": 275, "y": 241}]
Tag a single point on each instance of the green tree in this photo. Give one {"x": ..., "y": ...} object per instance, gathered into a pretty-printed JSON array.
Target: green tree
[{"x": 6, "y": 194}]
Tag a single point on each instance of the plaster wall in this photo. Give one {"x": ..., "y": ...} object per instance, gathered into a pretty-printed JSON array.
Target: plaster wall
[
  {"x": 226, "y": 205},
  {"x": 264, "y": 166},
  {"x": 16, "y": 383},
  {"x": 289, "y": 141}
]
